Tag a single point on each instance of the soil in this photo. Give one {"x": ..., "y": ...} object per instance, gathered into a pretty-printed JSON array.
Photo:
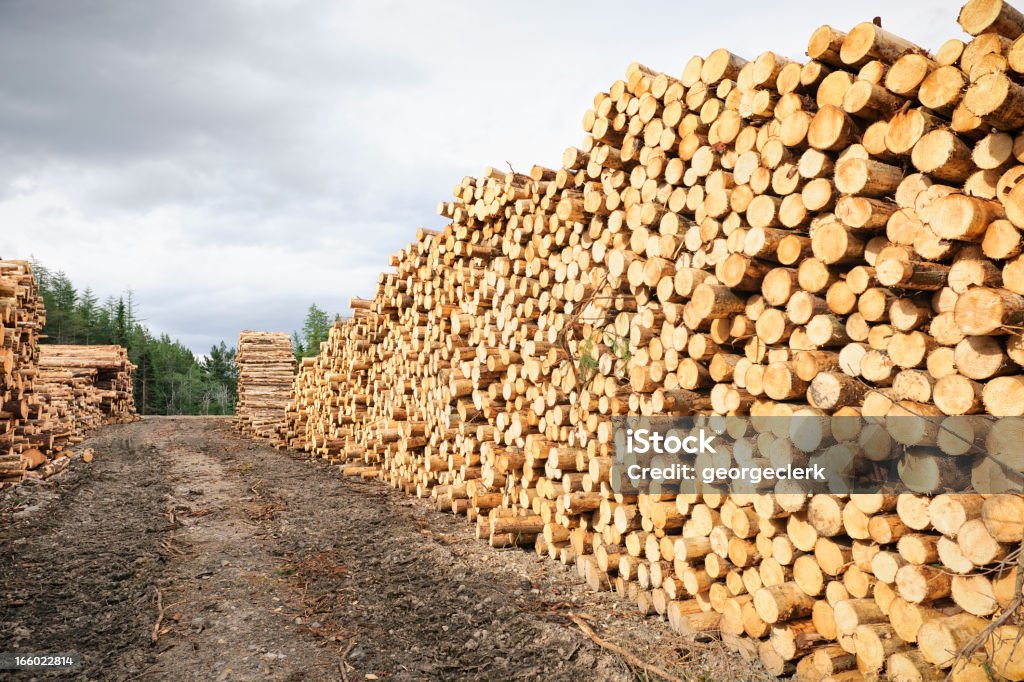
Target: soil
[{"x": 185, "y": 552}]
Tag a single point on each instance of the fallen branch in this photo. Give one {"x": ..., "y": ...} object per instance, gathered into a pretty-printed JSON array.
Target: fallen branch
[
  {"x": 171, "y": 549},
  {"x": 616, "y": 649},
  {"x": 344, "y": 657},
  {"x": 159, "y": 616},
  {"x": 986, "y": 634}
]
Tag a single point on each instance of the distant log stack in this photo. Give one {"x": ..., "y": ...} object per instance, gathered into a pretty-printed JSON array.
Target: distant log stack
[
  {"x": 749, "y": 237},
  {"x": 266, "y": 369},
  {"x": 81, "y": 388},
  {"x": 66, "y": 407}
]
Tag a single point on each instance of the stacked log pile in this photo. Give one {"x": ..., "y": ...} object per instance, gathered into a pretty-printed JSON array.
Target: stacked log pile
[
  {"x": 81, "y": 388},
  {"x": 266, "y": 369},
  {"x": 22, "y": 317},
  {"x": 50, "y": 395},
  {"x": 764, "y": 237}
]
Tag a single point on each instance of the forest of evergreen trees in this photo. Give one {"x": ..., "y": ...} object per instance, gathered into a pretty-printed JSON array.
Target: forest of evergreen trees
[{"x": 170, "y": 379}]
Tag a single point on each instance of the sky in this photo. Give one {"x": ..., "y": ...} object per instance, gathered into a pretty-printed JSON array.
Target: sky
[{"x": 234, "y": 161}]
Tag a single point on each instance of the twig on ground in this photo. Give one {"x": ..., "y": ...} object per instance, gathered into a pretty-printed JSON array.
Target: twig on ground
[
  {"x": 344, "y": 657},
  {"x": 171, "y": 549},
  {"x": 616, "y": 649},
  {"x": 159, "y": 616}
]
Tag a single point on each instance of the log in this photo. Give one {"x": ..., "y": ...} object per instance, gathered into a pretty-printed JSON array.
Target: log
[{"x": 995, "y": 16}]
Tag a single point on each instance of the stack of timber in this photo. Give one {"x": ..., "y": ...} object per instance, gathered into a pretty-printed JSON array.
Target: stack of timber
[
  {"x": 266, "y": 369},
  {"x": 840, "y": 235},
  {"x": 110, "y": 373},
  {"x": 22, "y": 317},
  {"x": 50, "y": 395},
  {"x": 81, "y": 388}
]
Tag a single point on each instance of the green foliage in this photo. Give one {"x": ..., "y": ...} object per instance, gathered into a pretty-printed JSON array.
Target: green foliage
[
  {"x": 619, "y": 346},
  {"x": 314, "y": 332},
  {"x": 222, "y": 380},
  {"x": 88, "y": 311},
  {"x": 588, "y": 361},
  {"x": 170, "y": 379}
]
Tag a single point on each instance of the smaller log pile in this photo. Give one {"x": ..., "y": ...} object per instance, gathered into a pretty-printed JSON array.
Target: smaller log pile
[
  {"x": 80, "y": 388},
  {"x": 22, "y": 317},
  {"x": 109, "y": 369},
  {"x": 266, "y": 368},
  {"x": 65, "y": 407}
]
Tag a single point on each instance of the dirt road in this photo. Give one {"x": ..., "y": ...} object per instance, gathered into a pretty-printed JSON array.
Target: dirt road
[{"x": 184, "y": 552}]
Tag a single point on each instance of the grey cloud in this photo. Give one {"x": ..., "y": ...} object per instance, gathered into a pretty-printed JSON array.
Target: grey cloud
[{"x": 108, "y": 79}]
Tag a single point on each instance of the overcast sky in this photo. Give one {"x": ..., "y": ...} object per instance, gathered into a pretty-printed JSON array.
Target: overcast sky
[{"x": 233, "y": 162}]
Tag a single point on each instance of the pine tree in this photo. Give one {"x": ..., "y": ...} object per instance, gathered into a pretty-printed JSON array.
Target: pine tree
[
  {"x": 314, "y": 331},
  {"x": 220, "y": 376},
  {"x": 120, "y": 322},
  {"x": 60, "y": 298},
  {"x": 40, "y": 272},
  {"x": 88, "y": 315}
]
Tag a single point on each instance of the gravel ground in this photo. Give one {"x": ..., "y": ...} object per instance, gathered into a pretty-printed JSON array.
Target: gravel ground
[{"x": 184, "y": 552}]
